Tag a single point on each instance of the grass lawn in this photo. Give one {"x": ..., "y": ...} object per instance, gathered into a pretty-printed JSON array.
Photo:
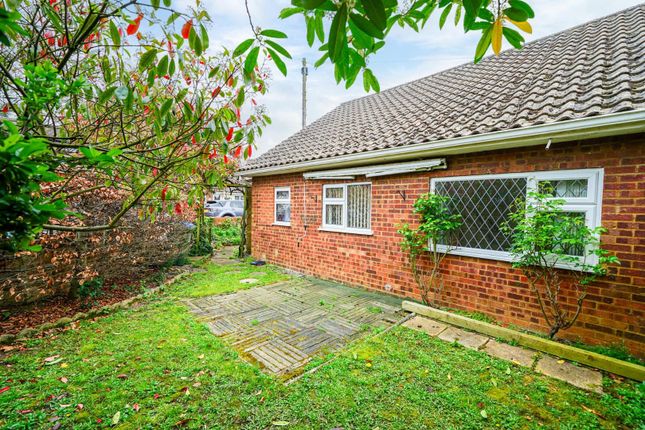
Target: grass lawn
[{"x": 155, "y": 366}]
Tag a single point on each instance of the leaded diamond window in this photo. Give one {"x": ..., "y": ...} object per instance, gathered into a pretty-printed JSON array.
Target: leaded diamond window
[{"x": 484, "y": 205}]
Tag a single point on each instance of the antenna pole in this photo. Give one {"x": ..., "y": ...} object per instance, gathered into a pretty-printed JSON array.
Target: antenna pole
[{"x": 304, "y": 72}]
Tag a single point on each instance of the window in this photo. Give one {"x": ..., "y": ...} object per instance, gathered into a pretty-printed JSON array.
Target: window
[
  {"x": 347, "y": 207},
  {"x": 484, "y": 203},
  {"x": 282, "y": 207}
]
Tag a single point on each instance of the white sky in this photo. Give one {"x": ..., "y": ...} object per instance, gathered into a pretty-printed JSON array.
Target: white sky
[{"x": 406, "y": 56}]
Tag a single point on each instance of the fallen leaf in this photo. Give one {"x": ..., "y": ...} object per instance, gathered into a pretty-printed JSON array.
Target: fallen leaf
[
  {"x": 197, "y": 384},
  {"x": 483, "y": 413},
  {"x": 182, "y": 423},
  {"x": 449, "y": 377},
  {"x": 508, "y": 370},
  {"x": 560, "y": 361},
  {"x": 116, "y": 418},
  {"x": 64, "y": 365},
  {"x": 80, "y": 406},
  {"x": 63, "y": 379},
  {"x": 156, "y": 396},
  {"x": 280, "y": 423},
  {"x": 596, "y": 413},
  {"x": 122, "y": 376},
  {"x": 136, "y": 407},
  {"x": 368, "y": 364},
  {"x": 25, "y": 411},
  {"x": 3, "y": 389},
  {"x": 200, "y": 356},
  {"x": 50, "y": 359},
  {"x": 480, "y": 405}
]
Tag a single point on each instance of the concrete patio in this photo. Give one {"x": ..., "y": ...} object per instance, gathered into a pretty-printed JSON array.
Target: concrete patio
[{"x": 282, "y": 327}]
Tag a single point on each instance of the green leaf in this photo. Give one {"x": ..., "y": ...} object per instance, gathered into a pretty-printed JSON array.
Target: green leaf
[
  {"x": 516, "y": 14},
  {"x": 375, "y": 11},
  {"x": 243, "y": 47},
  {"x": 513, "y": 37},
  {"x": 289, "y": 11},
  {"x": 122, "y": 93},
  {"x": 471, "y": 9},
  {"x": 106, "y": 95},
  {"x": 162, "y": 66},
  {"x": 312, "y": 4},
  {"x": 171, "y": 67},
  {"x": 165, "y": 107},
  {"x": 484, "y": 43},
  {"x": 366, "y": 26},
  {"x": 273, "y": 33},
  {"x": 337, "y": 33},
  {"x": 320, "y": 29},
  {"x": 519, "y": 4},
  {"x": 444, "y": 15},
  {"x": 147, "y": 59},
  {"x": 278, "y": 48},
  {"x": 278, "y": 61},
  {"x": 311, "y": 31},
  {"x": 114, "y": 34},
  {"x": 321, "y": 60},
  {"x": 251, "y": 60},
  {"x": 155, "y": 3}
]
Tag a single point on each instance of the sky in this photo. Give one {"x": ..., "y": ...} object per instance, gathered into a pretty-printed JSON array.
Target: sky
[{"x": 406, "y": 56}]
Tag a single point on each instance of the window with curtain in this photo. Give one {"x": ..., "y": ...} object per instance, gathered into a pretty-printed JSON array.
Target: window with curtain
[
  {"x": 347, "y": 207},
  {"x": 282, "y": 206}
]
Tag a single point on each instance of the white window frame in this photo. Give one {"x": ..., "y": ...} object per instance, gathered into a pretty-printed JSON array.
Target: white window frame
[
  {"x": 591, "y": 205},
  {"x": 343, "y": 201},
  {"x": 281, "y": 201}
]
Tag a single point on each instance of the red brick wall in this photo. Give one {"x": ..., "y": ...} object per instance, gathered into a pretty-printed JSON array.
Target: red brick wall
[{"x": 614, "y": 310}]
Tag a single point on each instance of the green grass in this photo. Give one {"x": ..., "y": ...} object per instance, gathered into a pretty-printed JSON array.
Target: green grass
[
  {"x": 225, "y": 279},
  {"x": 160, "y": 358}
]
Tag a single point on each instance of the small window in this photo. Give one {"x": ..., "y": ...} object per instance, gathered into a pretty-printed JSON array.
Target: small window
[
  {"x": 282, "y": 207},
  {"x": 347, "y": 208}
]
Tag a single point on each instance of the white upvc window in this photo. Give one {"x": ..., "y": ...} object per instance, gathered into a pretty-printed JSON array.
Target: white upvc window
[
  {"x": 347, "y": 208},
  {"x": 282, "y": 206},
  {"x": 485, "y": 201}
]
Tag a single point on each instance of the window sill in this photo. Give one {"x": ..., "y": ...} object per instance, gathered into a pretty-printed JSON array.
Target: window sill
[
  {"x": 282, "y": 224},
  {"x": 347, "y": 230}
]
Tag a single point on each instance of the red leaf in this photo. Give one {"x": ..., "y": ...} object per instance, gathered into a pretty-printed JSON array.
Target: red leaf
[
  {"x": 212, "y": 154},
  {"x": 163, "y": 193},
  {"x": 5, "y": 108},
  {"x": 136, "y": 407},
  {"x": 238, "y": 152},
  {"x": 146, "y": 110},
  {"x": 193, "y": 140},
  {"x": 254, "y": 102},
  {"x": 3, "y": 389},
  {"x": 250, "y": 150},
  {"x": 178, "y": 208},
  {"x": 237, "y": 112},
  {"x": 216, "y": 91},
  {"x": 155, "y": 172},
  {"x": 134, "y": 27},
  {"x": 230, "y": 81},
  {"x": 225, "y": 159},
  {"x": 156, "y": 396},
  {"x": 185, "y": 30},
  {"x": 122, "y": 376},
  {"x": 229, "y": 136}
]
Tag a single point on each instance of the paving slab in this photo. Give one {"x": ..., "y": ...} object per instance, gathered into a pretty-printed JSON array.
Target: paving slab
[
  {"x": 465, "y": 338},
  {"x": 426, "y": 325},
  {"x": 580, "y": 377},
  {"x": 282, "y": 326},
  {"x": 514, "y": 354}
]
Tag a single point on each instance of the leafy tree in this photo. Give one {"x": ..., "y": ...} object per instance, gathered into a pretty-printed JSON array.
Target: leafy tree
[
  {"x": 437, "y": 225},
  {"x": 359, "y": 28},
  {"x": 546, "y": 239},
  {"x": 129, "y": 94}
]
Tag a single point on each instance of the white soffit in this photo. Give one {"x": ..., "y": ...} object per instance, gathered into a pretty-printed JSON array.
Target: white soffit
[{"x": 379, "y": 170}]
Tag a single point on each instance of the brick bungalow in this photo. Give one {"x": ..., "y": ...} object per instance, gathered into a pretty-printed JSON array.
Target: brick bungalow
[{"x": 568, "y": 108}]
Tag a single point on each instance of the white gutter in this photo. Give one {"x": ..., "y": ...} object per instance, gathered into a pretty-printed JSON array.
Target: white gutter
[{"x": 563, "y": 131}]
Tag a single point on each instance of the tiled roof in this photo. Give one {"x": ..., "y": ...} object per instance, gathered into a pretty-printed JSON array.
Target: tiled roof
[{"x": 593, "y": 69}]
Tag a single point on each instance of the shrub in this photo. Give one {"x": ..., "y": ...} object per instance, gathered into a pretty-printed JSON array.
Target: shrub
[
  {"x": 227, "y": 233},
  {"x": 438, "y": 224},
  {"x": 546, "y": 239}
]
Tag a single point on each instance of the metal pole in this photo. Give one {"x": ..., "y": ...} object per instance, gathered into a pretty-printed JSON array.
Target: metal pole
[{"x": 304, "y": 72}]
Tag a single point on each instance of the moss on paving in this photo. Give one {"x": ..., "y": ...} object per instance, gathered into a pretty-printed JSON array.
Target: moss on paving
[{"x": 160, "y": 358}]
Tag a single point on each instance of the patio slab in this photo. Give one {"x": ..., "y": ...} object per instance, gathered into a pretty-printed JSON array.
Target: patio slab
[
  {"x": 580, "y": 377},
  {"x": 462, "y": 337},
  {"x": 426, "y": 325},
  {"x": 514, "y": 354},
  {"x": 281, "y": 327}
]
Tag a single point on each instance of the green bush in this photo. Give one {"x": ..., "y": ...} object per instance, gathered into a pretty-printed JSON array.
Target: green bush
[{"x": 89, "y": 290}]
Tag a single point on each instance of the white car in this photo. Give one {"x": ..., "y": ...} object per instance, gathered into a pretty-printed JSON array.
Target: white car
[{"x": 224, "y": 208}]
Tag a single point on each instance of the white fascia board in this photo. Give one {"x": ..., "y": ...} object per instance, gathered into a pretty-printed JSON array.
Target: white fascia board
[
  {"x": 380, "y": 170},
  {"x": 564, "y": 131}
]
